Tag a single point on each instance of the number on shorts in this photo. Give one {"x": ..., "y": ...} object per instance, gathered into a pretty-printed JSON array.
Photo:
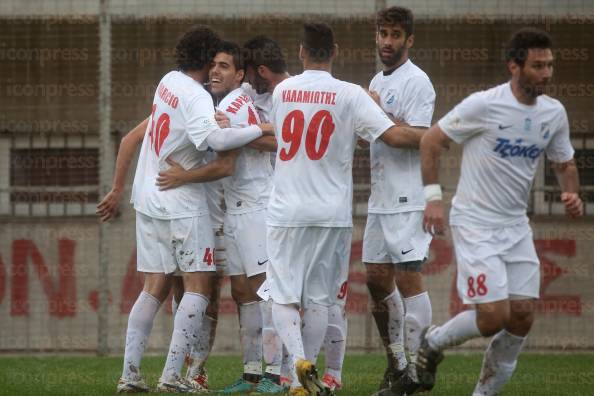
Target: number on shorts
[
  {"x": 481, "y": 287},
  {"x": 343, "y": 291},
  {"x": 292, "y": 132},
  {"x": 208, "y": 254},
  {"x": 160, "y": 133}
]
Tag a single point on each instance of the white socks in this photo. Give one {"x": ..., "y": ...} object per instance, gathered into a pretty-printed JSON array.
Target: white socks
[
  {"x": 272, "y": 346},
  {"x": 201, "y": 349},
  {"x": 250, "y": 332},
  {"x": 396, "y": 328},
  {"x": 455, "y": 331},
  {"x": 499, "y": 363},
  {"x": 418, "y": 316},
  {"x": 140, "y": 324},
  {"x": 188, "y": 319},
  {"x": 315, "y": 323},
  {"x": 287, "y": 322},
  {"x": 335, "y": 340}
]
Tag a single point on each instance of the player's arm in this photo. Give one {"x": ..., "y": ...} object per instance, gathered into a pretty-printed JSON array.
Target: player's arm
[
  {"x": 176, "y": 175},
  {"x": 568, "y": 178},
  {"x": 108, "y": 206},
  {"x": 263, "y": 143},
  {"x": 403, "y": 136},
  {"x": 432, "y": 145}
]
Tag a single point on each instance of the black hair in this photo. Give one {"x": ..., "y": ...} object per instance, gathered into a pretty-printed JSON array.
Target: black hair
[
  {"x": 318, "y": 41},
  {"x": 264, "y": 51},
  {"x": 196, "y": 48},
  {"x": 396, "y": 16},
  {"x": 524, "y": 40},
  {"x": 231, "y": 48}
]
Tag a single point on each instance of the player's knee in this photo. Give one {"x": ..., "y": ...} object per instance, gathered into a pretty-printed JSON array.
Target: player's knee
[
  {"x": 380, "y": 284},
  {"x": 490, "y": 324},
  {"x": 520, "y": 323}
]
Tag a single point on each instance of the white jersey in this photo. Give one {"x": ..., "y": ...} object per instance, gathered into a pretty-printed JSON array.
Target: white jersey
[
  {"x": 503, "y": 140},
  {"x": 248, "y": 188},
  {"x": 317, "y": 118},
  {"x": 262, "y": 102},
  {"x": 215, "y": 196},
  {"x": 182, "y": 118},
  {"x": 396, "y": 184}
]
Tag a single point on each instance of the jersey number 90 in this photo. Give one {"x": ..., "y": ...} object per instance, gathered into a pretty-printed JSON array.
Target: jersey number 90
[{"x": 292, "y": 133}]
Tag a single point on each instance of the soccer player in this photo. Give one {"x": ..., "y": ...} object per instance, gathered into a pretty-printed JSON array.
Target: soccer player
[
  {"x": 503, "y": 132},
  {"x": 266, "y": 68},
  {"x": 394, "y": 244},
  {"x": 246, "y": 195},
  {"x": 173, "y": 226},
  {"x": 317, "y": 119}
]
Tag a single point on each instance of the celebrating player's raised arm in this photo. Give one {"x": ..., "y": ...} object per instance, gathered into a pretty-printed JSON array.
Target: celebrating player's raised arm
[{"x": 108, "y": 206}]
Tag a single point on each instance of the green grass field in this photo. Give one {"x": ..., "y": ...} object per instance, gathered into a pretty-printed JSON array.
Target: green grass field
[{"x": 537, "y": 374}]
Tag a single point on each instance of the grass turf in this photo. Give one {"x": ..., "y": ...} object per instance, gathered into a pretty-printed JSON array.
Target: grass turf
[{"x": 537, "y": 374}]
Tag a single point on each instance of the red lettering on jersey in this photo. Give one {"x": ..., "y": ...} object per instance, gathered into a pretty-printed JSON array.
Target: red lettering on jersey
[
  {"x": 252, "y": 118},
  {"x": 167, "y": 96},
  {"x": 307, "y": 97},
  {"x": 300, "y": 96},
  {"x": 293, "y": 96},
  {"x": 237, "y": 104}
]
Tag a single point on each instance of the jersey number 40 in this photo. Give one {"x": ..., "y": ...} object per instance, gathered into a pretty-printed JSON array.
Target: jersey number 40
[
  {"x": 159, "y": 132},
  {"x": 293, "y": 127}
]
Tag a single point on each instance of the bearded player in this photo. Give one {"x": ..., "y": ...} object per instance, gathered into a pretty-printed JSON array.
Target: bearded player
[{"x": 503, "y": 132}]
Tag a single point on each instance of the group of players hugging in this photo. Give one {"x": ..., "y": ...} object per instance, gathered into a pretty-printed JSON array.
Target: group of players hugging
[{"x": 211, "y": 200}]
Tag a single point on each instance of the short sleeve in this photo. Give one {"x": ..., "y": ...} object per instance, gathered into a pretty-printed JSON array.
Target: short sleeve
[
  {"x": 200, "y": 120},
  {"x": 467, "y": 119},
  {"x": 369, "y": 119},
  {"x": 419, "y": 102},
  {"x": 559, "y": 148}
]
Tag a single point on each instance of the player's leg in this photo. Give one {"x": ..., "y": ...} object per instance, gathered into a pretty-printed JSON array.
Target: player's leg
[
  {"x": 285, "y": 277},
  {"x": 501, "y": 357},
  {"x": 193, "y": 246},
  {"x": 196, "y": 373},
  {"x": 387, "y": 308},
  {"x": 328, "y": 268},
  {"x": 335, "y": 343},
  {"x": 523, "y": 273}
]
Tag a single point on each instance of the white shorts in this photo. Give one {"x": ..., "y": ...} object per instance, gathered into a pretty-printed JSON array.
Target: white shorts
[
  {"x": 307, "y": 264},
  {"x": 163, "y": 246},
  {"x": 395, "y": 238},
  {"x": 496, "y": 264},
  {"x": 245, "y": 241}
]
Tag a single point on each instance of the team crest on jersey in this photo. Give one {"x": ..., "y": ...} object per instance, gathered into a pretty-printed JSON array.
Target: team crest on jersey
[
  {"x": 545, "y": 130},
  {"x": 527, "y": 125},
  {"x": 390, "y": 100}
]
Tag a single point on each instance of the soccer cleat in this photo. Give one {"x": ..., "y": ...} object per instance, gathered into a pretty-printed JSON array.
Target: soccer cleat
[
  {"x": 127, "y": 386},
  {"x": 199, "y": 381},
  {"x": 393, "y": 383},
  {"x": 240, "y": 386},
  {"x": 177, "y": 385},
  {"x": 427, "y": 361},
  {"x": 308, "y": 377},
  {"x": 266, "y": 385},
  {"x": 299, "y": 391},
  {"x": 331, "y": 382}
]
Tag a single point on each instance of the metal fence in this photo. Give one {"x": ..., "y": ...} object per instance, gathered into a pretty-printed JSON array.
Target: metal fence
[{"x": 72, "y": 83}]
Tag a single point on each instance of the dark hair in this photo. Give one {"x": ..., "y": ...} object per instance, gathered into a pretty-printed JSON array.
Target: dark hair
[
  {"x": 196, "y": 48},
  {"x": 231, "y": 48},
  {"x": 524, "y": 40},
  {"x": 396, "y": 16},
  {"x": 264, "y": 51},
  {"x": 318, "y": 40}
]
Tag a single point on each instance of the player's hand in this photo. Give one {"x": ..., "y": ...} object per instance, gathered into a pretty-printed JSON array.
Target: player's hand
[
  {"x": 172, "y": 177},
  {"x": 375, "y": 96},
  {"x": 433, "y": 219},
  {"x": 573, "y": 204},
  {"x": 222, "y": 119},
  {"x": 108, "y": 207},
  {"x": 267, "y": 129}
]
